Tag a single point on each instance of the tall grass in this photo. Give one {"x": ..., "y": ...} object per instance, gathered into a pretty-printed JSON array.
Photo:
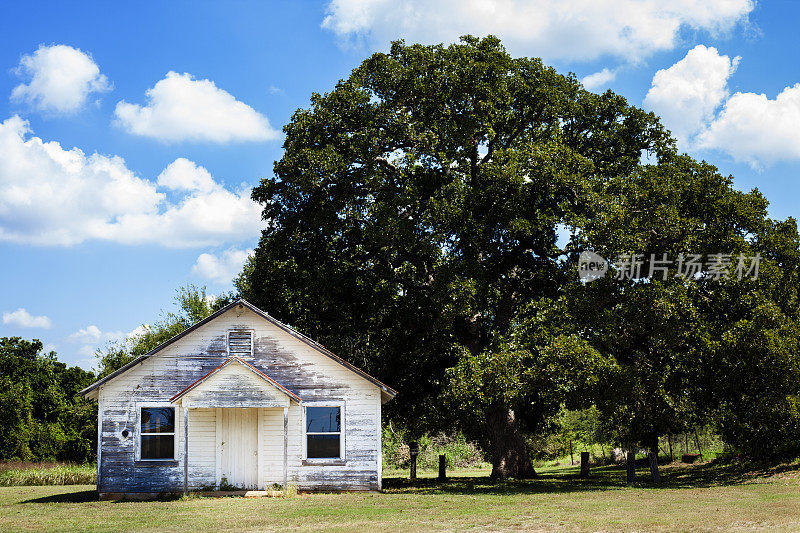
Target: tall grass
[{"x": 24, "y": 473}]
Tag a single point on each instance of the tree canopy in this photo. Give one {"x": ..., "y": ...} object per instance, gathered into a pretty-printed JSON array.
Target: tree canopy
[
  {"x": 418, "y": 205},
  {"x": 426, "y": 220},
  {"x": 41, "y": 416}
]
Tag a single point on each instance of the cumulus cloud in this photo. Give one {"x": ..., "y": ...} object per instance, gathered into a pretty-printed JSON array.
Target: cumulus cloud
[
  {"x": 55, "y": 196},
  {"x": 687, "y": 94},
  {"x": 222, "y": 268},
  {"x": 599, "y": 80},
  {"x": 61, "y": 78},
  {"x": 185, "y": 175},
  {"x": 181, "y": 108},
  {"x": 93, "y": 334},
  {"x": 92, "y": 337},
  {"x": 570, "y": 29},
  {"x": 756, "y": 129},
  {"x": 694, "y": 101},
  {"x": 24, "y": 319}
]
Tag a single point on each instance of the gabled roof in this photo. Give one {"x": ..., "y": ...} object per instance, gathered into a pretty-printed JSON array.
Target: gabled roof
[
  {"x": 390, "y": 392},
  {"x": 248, "y": 366}
]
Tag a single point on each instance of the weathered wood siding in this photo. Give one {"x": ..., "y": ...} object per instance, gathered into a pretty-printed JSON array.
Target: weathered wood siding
[
  {"x": 291, "y": 362},
  {"x": 202, "y": 451},
  {"x": 235, "y": 386}
]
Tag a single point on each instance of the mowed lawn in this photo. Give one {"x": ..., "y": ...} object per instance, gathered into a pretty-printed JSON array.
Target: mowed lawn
[{"x": 703, "y": 497}]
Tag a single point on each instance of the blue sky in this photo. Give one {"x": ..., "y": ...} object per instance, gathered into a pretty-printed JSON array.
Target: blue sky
[{"x": 130, "y": 135}]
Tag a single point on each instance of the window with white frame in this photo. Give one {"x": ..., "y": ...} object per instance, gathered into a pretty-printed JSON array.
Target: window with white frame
[
  {"x": 324, "y": 432},
  {"x": 157, "y": 433}
]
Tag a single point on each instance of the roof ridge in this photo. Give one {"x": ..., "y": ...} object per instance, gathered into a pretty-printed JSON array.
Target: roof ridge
[{"x": 241, "y": 301}]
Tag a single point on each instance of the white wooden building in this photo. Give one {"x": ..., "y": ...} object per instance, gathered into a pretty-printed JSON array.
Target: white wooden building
[{"x": 238, "y": 400}]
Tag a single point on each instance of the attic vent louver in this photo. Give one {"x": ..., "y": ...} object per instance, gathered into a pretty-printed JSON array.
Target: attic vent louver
[{"x": 240, "y": 343}]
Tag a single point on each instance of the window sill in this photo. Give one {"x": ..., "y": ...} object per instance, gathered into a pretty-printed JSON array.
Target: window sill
[
  {"x": 324, "y": 462},
  {"x": 156, "y": 462}
]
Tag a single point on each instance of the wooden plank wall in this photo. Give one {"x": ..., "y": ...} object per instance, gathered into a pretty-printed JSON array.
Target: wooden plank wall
[
  {"x": 235, "y": 386},
  {"x": 202, "y": 453},
  {"x": 291, "y": 362}
]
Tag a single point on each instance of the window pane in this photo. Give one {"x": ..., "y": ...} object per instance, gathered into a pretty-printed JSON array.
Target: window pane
[
  {"x": 158, "y": 446},
  {"x": 158, "y": 420},
  {"x": 322, "y": 419},
  {"x": 323, "y": 446}
]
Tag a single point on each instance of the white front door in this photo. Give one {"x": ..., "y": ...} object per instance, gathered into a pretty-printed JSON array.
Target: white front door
[{"x": 239, "y": 441}]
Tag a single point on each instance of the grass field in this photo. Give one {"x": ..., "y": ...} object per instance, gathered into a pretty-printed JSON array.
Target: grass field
[{"x": 703, "y": 497}]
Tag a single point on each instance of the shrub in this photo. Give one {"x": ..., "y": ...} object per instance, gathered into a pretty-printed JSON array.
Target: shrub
[{"x": 459, "y": 452}]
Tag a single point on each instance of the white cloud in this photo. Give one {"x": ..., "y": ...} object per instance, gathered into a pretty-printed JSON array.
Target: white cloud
[
  {"x": 686, "y": 94},
  {"x": 569, "y": 29},
  {"x": 61, "y": 79},
  {"x": 139, "y": 330},
  {"x": 24, "y": 319},
  {"x": 756, "y": 129},
  {"x": 181, "y": 108},
  {"x": 185, "y": 175},
  {"x": 93, "y": 334},
  {"x": 91, "y": 338},
  {"x": 599, "y": 80},
  {"x": 223, "y": 268},
  {"x": 53, "y": 196},
  {"x": 693, "y": 99}
]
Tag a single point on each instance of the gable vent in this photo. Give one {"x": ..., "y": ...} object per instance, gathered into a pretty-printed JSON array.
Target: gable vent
[{"x": 240, "y": 343}]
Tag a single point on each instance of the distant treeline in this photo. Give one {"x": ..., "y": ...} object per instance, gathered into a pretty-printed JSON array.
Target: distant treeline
[{"x": 41, "y": 415}]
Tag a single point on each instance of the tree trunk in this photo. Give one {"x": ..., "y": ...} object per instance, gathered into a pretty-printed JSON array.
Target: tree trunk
[
  {"x": 510, "y": 457},
  {"x": 697, "y": 440}
]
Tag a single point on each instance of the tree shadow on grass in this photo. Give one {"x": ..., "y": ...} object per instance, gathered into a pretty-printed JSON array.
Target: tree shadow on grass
[
  {"x": 561, "y": 480},
  {"x": 81, "y": 496},
  {"x": 566, "y": 480},
  {"x": 723, "y": 473}
]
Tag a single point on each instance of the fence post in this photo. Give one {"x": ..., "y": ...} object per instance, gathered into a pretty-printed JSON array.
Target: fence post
[
  {"x": 631, "y": 476},
  {"x": 584, "y": 464},
  {"x": 653, "y": 459},
  {"x": 442, "y": 467}
]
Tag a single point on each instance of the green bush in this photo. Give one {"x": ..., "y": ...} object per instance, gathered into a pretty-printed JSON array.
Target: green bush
[
  {"x": 459, "y": 452},
  {"x": 767, "y": 428}
]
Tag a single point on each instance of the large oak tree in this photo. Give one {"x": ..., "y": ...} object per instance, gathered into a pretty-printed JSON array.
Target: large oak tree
[{"x": 417, "y": 207}]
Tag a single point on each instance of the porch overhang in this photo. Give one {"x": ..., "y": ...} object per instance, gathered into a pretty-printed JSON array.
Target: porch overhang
[{"x": 235, "y": 384}]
